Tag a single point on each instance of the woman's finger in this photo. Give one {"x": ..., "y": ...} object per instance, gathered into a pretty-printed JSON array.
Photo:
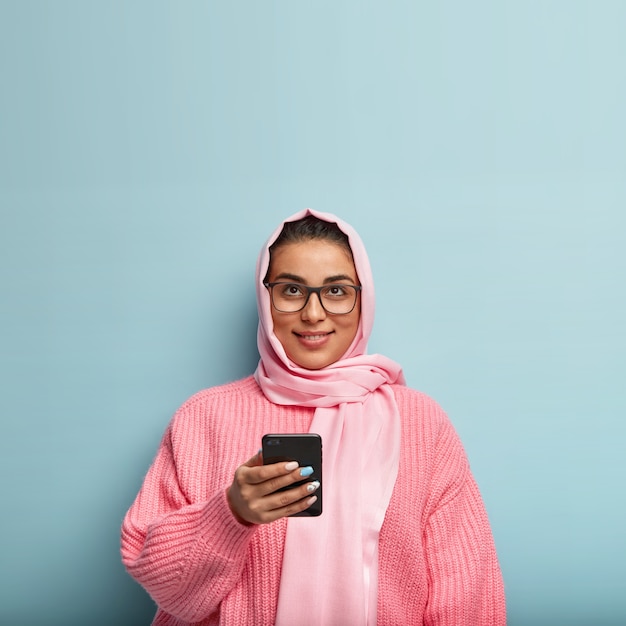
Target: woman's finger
[
  {"x": 289, "y": 502},
  {"x": 263, "y": 473}
]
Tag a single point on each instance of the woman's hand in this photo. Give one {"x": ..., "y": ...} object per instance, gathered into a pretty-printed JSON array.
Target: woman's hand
[{"x": 253, "y": 498}]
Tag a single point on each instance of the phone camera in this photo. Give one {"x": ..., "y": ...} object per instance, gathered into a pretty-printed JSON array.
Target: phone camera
[{"x": 273, "y": 442}]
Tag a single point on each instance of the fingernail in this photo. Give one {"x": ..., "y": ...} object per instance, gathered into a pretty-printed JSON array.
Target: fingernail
[
  {"x": 292, "y": 465},
  {"x": 306, "y": 471},
  {"x": 311, "y": 487},
  {"x": 311, "y": 500}
]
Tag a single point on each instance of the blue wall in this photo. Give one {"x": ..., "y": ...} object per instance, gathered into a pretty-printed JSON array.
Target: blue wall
[{"x": 147, "y": 150}]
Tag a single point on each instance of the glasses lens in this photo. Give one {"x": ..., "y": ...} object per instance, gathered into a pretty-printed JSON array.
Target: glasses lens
[
  {"x": 291, "y": 297},
  {"x": 288, "y": 297},
  {"x": 338, "y": 299}
]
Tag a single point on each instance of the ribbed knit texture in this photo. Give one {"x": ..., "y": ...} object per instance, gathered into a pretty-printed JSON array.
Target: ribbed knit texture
[{"x": 437, "y": 561}]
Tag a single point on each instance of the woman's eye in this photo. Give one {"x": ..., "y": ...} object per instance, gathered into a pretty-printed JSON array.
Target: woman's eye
[
  {"x": 336, "y": 291},
  {"x": 292, "y": 290}
]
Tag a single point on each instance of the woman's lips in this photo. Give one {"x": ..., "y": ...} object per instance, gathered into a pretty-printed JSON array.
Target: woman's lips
[{"x": 313, "y": 340}]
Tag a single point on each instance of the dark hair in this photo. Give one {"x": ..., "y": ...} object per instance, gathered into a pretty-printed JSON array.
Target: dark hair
[
  {"x": 306, "y": 229},
  {"x": 311, "y": 227}
]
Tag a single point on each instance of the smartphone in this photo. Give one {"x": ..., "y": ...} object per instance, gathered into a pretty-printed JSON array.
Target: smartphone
[{"x": 306, "y": 448}]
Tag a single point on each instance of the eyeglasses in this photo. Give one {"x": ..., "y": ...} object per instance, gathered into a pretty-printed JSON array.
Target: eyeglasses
[{"x": 336, "y": 299}]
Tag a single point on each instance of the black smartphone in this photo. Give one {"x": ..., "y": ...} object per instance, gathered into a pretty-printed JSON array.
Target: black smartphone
[{"x": 306, "y": 448}]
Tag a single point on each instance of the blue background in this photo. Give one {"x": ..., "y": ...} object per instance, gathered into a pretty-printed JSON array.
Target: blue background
[{"x": 147, "y": 150}]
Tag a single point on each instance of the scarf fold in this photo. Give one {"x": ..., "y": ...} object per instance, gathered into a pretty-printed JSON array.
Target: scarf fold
[{"x": 330, "y": 563}]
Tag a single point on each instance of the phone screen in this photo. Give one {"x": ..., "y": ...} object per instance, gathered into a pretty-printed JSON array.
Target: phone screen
[{"x": 306, "y": 449}]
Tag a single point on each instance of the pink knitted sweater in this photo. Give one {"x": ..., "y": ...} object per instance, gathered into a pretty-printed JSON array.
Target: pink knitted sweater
[{"x": 437, "y": 560}]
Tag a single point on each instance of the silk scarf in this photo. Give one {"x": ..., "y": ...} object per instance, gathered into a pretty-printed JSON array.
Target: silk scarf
[{"x": 330, "y": 563}]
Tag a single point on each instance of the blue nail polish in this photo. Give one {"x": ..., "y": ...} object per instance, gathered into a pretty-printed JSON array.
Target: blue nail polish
[{"x": 306, "y": 471}]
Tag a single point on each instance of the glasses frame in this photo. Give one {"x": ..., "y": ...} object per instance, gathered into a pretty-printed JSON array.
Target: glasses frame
[{"x": 310, "y": 290}]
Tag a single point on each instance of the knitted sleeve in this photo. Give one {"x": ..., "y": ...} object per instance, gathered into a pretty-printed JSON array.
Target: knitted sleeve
[
  {"x": 465, "y": 582},
  {"x": 187, "y": 556}
]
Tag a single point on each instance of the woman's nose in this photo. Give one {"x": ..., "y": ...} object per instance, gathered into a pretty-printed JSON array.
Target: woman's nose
[{"x": 313, "y": 311}]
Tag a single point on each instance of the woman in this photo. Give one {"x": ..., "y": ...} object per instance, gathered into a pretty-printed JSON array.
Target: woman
[{"x": 403, "y": 539}]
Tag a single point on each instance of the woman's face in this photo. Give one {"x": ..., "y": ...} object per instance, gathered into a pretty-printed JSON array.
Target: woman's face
[{"x": 313, "y": 338}]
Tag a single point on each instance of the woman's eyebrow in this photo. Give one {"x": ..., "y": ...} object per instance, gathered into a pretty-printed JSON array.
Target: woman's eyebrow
[
  {"x": 295, "y": 278},
  {"x": 298, "y": 279},
  {"x": 337, "y": 278}
]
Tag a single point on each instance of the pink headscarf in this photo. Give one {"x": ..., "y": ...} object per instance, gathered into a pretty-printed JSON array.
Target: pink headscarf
[{"x": 330, "y": 563}]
